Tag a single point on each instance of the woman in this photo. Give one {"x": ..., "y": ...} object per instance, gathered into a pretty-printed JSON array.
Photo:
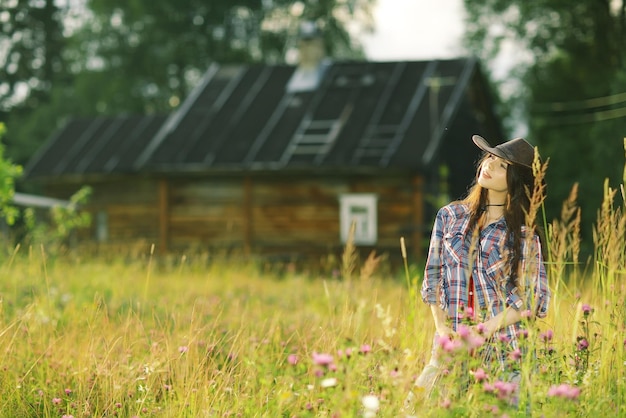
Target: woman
[{"x": 485, "y": 263}]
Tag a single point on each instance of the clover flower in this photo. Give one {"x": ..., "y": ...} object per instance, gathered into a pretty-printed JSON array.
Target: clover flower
[{"x": 564, "y": 391}]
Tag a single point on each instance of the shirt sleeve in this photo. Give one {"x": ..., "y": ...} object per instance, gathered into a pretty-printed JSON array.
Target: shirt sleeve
[
  {"x": 533, "y": 272},
  {"x": 433, "y": 269}
]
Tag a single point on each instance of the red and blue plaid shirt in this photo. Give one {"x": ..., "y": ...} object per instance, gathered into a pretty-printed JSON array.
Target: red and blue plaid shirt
[{"x": 452, "y": 258}]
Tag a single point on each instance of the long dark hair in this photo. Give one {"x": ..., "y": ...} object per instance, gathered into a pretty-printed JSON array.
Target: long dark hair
[{"x": 519, "y": 180}]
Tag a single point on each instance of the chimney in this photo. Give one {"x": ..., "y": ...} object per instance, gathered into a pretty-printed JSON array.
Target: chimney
[{"x": 311, "y": 59}]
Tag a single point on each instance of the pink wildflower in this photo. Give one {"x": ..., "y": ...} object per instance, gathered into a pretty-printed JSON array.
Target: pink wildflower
[
  {"x": 480, "y": 375},
  {"x": 526, "y": 313},
  {"x": 489, "y": 387},
  {"x": 516, "y": 354},
  {"x": 583, "y": 344},
  {"x": 587, "y": 309},
  {"x": 365, "y": 348},
  {"x": 348, "y": 352},
  {"x": 564, "y": 391},
  {"x": 183, "y": 349},
  {"x": 68, "y": 391},
  {"x": 546, "y": 336},
  {"x": 505, "y": 389},
  {"x": 322, "y": 359},
  {"x": 475, "y": 342},
  {"x": 292, "y": 359},
  {"x": 446, "y": 403},
  {"x": 56, "y": 401},
  {"x": 463, "y": 331}
]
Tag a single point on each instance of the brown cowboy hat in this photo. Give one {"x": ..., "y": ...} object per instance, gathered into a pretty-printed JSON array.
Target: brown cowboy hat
[{"x": 517, "y": 151}]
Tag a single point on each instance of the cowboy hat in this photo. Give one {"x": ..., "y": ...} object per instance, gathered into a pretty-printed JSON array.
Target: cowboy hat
[{"x": 517, "y": 151}]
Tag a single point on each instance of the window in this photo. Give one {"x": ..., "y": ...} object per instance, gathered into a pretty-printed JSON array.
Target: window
[
  {"x": 102, "y": 226},
  {"x": 360, "y": 209}
]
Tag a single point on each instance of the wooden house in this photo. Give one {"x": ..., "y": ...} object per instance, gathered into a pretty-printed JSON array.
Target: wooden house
[{"x": 281, "y": 160}]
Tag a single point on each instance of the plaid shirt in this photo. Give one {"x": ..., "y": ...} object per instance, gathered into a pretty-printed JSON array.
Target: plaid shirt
[{"x": 452, "y": 258}]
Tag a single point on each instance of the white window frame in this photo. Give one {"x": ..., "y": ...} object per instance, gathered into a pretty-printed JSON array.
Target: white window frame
[
  {"x": 361, "y": 208},
  {"x": 102, "y": 226}
]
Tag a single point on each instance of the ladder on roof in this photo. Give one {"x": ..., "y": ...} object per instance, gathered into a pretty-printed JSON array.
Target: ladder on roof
[
  {"x": 316, "y": 136},
  {"x": 381, "y": 141}
]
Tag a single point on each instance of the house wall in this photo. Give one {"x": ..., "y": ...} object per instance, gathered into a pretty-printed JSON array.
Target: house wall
[{"x": 281, "y": 216}]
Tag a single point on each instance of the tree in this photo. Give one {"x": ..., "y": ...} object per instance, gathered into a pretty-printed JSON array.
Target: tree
[
  {"x": 144, "y": 56},
  {"x": 570, "y": 85},
  {"x": 32, "y": 61}
]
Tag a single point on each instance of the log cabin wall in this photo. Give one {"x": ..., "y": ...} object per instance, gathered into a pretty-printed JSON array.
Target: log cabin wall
[
  {"x": 279, "y": 216},
  {"x": 283, "y": 216}
]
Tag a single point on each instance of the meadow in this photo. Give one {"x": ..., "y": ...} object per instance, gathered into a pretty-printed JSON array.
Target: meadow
[{"x": 207, "y": 336}]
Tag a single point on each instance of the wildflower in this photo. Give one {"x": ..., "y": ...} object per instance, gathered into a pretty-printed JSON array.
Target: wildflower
[
  {"x": 505, "y": 389},
  {"x": 167, "y": 387},
  {"x": 329, "y": 382},
  {"x": 526, "y": 313},
  {"x": 546, "y": 336},
  {"x": 516, "y": 354},
  {"x": 370, "y": 403},
  {"x": 322, "y": 359},
  {"x": 446, "y": 403},
  {"x": 56, "y": 401},
  {"x": 475, "y": 342},
  {"x": 564, "y": 391},
  {"x": 365, "y": 348},
  {"x": 183, "y": 349},
  {"x": 586, "y": 309},
  {"x": 68, "y": 391},
  {"x": 503, "y": 338},
  {"x": 67, "y": 416},
  {"x": 480, "y": 328},
  {"x": 348, "y": 352},
  {"x": 463, "y": 331},
  {"x": 479, "y": 375},
  {"x": 583, "y": 344},
  {"x": 118, "y": 405},
  {"x": 292, "y": 359},
  {"x": 447, "y": 344}
]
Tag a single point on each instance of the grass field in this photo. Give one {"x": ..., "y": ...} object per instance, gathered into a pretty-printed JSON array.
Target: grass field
[{"x": 226, "y": 338}]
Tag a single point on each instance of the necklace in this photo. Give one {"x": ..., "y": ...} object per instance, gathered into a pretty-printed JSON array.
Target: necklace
[{"x": 502, "y": 204}]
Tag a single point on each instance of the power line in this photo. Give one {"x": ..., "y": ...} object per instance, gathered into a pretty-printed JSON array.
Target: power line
[{"x": 580, "y": 104}]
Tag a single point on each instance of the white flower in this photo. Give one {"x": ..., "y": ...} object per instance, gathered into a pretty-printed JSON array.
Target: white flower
[
  {"x": 370, "y": 403},
  {"x": 330, "y": 382}
]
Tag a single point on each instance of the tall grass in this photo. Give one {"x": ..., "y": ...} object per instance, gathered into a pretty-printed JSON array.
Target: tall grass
[{"x": 215, "y": 338}]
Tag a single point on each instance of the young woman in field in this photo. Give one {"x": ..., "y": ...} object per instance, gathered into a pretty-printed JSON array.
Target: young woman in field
[{"x": 484, "y": 272}]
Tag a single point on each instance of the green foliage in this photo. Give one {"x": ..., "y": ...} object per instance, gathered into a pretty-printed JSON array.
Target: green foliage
[
  {"x": 567, "y": 87},
  {"x": 8, "y": 173},
  {"x": 145, "y": 56},
  {"x": 64, "y": 220}
]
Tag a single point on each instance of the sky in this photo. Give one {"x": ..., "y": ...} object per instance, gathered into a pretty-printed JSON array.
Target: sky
[{"x": 415, "y": 29}]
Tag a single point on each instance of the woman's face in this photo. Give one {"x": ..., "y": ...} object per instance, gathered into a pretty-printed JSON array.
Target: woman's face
[{"x": 493, "y": 174}]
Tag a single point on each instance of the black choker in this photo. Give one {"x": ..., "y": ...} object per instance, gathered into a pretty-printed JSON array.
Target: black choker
[{"x": 503, "y": 204}]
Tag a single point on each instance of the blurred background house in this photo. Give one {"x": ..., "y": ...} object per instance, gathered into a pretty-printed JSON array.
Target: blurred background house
[{"x": 280, "y": 160}]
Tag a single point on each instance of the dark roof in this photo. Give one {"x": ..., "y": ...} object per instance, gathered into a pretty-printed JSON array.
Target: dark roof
[
  {"x": 95, "y": 145},
  {"x": 363, "y": 114}
]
